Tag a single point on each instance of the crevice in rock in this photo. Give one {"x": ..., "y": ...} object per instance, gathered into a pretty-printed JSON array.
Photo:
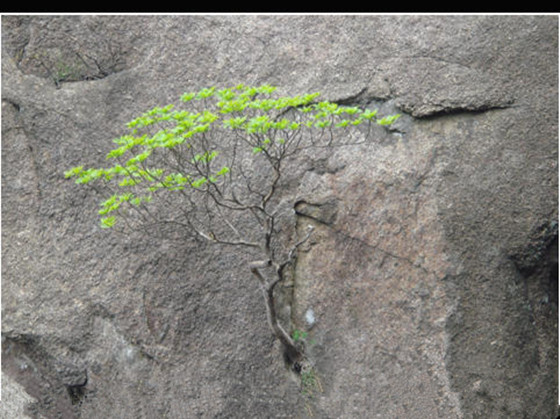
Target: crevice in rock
[
  {"x": 323, "y": 166},
  {"x": 424, "y": 109},
  {"x": 537, "y": 264},
  {"x": 77, "y": 392},
  {"x": 77, "y": 66},
  {"x": 538, "y": 250},
  {"x": 527, "y": 311},
  {"x": 323, "y": 213},
  {"x": 300, "y": 364},
  {"x": 356, "y": 99},
  {"x": 91, "y": 49},
  {"x": 15, "y": 105},
  {"x": 55, "y": 384},
  {"x": 438, "y": 111}
]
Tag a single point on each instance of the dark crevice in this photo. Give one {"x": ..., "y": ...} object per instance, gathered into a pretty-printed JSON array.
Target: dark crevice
[
  {"x": 363, "y": 99},
  {"x": 541, "y": 249},
  {"x": 353, "y": 100},
  {"x": 455, "y": 110},
  {"x": 77, "y": 392},
  {"x": 91, "y": 49},
  {"x": 16, "y": 106},
  {"x": 57, "y": 386},
  {"x": 323, "y": 213}
]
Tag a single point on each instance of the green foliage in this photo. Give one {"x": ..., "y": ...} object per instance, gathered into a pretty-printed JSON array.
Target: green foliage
[
  {"x": 197, "y": 145},
  {"x": 299, "y": 335},
  {"x": 310, "y": 382},
  {"x": 310, "y": 385}
]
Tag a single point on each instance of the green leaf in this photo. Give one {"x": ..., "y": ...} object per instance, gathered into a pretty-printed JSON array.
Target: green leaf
[
  {"x": 124, "y": 140},
  {"x": 282, "y": 124},
  {"x": 238, "y": 105},
  {"x": 205, "y": 93},
  {"x": 266, "y": 89},
  {"x": 175, "y": 179},
  {"x": 265, "y": 105},
  {"x": 125, "y": 197},
  {"x": 298, "y": 335},
  {"x": 207, "y": 117},
  {"x": 327, "y": 107},
  {"x": 323, "y": 124},
  {"x": 199, "y": 182},
  {"x": 388, "y": 120},
  {"x": 108, "y": 222},
  {"x": 226, "y": 94},
  {"x": 139, "y": 158},
  {"x": 235, "y": 123},
  {"x": 259, "y": 124},
  {"x": 156, "y": 186},
  {"x": 117, "y": 152},
  {"x": 109, "y": 205},
  {"x": 200, "y": 128},
  {"x": 308, "y": 98},
  {"x": 369, "y": 114},
  {"x": 350, "y": 110},
  {"x": 186, "y": 97},
  {"x": 224, "y": 170},
  {"x": 127, "y": 181},
  {"x": 75, "y": 171},
  {"x": 206, "y": 157}
]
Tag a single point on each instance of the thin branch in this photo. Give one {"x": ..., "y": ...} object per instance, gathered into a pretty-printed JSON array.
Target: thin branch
[{"x": 295, "y": 247}]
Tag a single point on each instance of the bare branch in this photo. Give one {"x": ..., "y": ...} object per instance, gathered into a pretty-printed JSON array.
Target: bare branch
[{"x": 295, "y": 247}]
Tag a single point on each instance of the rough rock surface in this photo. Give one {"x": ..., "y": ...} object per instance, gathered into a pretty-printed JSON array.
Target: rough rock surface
[{"x": 429, "y": 288}]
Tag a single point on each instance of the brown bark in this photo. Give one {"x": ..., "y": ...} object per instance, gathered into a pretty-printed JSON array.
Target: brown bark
[{"x": 292, "y": 352}]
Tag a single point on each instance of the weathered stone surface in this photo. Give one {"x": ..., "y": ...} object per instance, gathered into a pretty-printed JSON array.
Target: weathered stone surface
[{"x": 429, "y": 287}]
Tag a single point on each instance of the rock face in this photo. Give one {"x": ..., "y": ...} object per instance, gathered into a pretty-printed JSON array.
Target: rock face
[{"x": 429, "y": 288}]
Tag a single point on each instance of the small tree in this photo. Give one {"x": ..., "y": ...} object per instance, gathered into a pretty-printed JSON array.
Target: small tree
[{"x": 212, "y": 170}]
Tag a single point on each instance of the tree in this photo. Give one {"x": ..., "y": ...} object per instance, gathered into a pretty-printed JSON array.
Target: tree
[{"x": 211, "y": 170}]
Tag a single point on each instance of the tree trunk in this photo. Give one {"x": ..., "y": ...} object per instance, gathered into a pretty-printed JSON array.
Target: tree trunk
[{"x": 292, "y": 352}]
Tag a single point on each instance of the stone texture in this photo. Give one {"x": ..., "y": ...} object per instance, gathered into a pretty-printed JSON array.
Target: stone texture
[{"x": 432, "y": 271}]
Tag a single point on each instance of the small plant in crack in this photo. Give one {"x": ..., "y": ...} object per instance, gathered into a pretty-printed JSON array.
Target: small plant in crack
[
  {"x": 299, "y": 335},
  {"x": 57, "y": 68},
  {"x": 301, "y": 338},
  {"x": 211, "y": 169},
  {"x": 310, "y": 385},
  {"x": 79, "y": 61}
]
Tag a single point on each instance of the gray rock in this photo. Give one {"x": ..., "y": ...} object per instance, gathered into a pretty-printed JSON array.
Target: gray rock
[{"x": 432, "y": 270}]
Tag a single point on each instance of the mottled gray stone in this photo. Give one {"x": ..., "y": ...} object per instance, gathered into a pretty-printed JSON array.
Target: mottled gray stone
[{"x": 432, "y": 270}]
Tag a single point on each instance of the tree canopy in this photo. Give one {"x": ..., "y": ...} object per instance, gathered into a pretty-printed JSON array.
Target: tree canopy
[{"x": 198, "y": 157}]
